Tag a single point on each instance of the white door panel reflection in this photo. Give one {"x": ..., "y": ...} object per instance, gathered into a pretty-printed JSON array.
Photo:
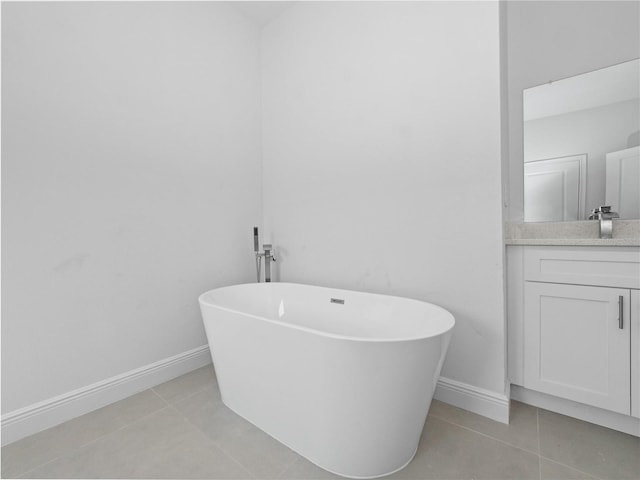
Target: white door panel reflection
[
  {"x": 554, "y": 189},
  {"x": 623, "y": 182}
]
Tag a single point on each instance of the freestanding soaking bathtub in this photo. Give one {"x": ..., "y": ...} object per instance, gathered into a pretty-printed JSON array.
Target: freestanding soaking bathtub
[{"x": 343, "y": 378}]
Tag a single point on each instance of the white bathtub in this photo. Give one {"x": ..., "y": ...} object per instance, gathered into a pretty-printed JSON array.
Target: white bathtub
[{"x": 346, "y": 385}]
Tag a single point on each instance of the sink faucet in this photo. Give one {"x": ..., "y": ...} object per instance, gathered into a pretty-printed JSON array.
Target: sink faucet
[{"x": 604, "y": 214}]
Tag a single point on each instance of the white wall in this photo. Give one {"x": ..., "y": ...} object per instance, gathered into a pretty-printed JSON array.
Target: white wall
[
  {"x": 381, "y": 148},
  {"x": 130, "y": 183},
  {"x": 554, "y": 40},
  {"x": 594, "y": 131}
]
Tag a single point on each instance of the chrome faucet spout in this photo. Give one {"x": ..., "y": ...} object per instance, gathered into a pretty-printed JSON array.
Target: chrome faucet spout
[{"x": 606, "y": 228}]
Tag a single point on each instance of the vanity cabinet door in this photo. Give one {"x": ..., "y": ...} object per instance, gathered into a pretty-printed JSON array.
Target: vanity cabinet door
[{"x": 574, "y": 346}]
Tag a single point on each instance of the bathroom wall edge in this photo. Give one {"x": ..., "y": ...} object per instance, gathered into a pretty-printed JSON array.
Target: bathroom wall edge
[{"x": 51, "y": 412}]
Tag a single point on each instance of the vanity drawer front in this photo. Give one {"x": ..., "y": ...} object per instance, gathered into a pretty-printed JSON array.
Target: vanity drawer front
[{"x": 599, "y": 266}]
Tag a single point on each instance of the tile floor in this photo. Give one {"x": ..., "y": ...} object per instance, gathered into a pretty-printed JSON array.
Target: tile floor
[{"x": 181, "y": 429}]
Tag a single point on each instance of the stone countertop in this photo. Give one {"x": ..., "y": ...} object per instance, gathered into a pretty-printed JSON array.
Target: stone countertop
[{"x": 626, "y": 233}]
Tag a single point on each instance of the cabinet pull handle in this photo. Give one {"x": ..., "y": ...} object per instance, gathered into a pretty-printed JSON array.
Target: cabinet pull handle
[{"x": 620, "y": 312}]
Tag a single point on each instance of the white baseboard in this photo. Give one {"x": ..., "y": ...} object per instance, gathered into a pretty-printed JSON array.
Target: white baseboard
[
  {"x": 474, "y": 399},
  {"x": 604, "y": 418},
  {"x": 48, "y": 413}
]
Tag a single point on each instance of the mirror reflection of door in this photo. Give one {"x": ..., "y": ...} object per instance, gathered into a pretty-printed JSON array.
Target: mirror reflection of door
[
  {"x": 554, "y": 189},
  {"x": 623, "y": 182},
  {"x": 598, "y": 114}
]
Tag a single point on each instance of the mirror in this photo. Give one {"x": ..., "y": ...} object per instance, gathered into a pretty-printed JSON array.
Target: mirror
[{"x": 582, "y": 145}]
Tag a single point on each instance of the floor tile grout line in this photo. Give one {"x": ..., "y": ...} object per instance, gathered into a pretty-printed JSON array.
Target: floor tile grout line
[
  {"x": 214, "y": 443},
  {"x": 86, "y": 444},
  {"x": 220, "y": 446},
  {"x": 550, "y": 459},
  {"x": 290, "y": 464},
  {"x": 160, "y": 396},
  {"x": 217, "y": 444},
  {"x": 167, "y": 404},
  {"x": 167, "y": 407},
  {"x": 127, "y": 424},
  {"x": 285, "y": 469},
  {"x": 281, "y": 474},
  {"x": 571, "y": 468},
  {"x": 171, "y": 403},
  {"x": 485, "y": 435},
  {"x": 492, "y": 438}
]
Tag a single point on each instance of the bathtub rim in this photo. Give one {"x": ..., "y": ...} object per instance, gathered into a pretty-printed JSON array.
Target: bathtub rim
[{"x": 448, "y": 315}]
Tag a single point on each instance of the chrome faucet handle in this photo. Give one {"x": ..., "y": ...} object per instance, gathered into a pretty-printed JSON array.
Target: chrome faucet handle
[
  {"x": 606, "y": 209},
  {"x": 268, "y": 251},
  {"x": 603, "y": 212},
  {"x": 607, "y": 214}
]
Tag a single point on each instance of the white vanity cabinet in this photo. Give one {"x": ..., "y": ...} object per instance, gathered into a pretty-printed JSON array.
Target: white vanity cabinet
[
  {"x": 576, "y": 348},
  {"x": 581, "y": 325}
]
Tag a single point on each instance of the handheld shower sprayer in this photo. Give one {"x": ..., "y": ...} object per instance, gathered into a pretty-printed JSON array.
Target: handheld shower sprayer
[
  {"x": 256, "y": 246},
  {"x": 267, "y": 254}
]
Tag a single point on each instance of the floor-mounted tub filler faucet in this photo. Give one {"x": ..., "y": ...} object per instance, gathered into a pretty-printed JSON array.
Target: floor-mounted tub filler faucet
[
  {"x": 604, "y": 214},
  {"x": 267, "y": 254}
]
